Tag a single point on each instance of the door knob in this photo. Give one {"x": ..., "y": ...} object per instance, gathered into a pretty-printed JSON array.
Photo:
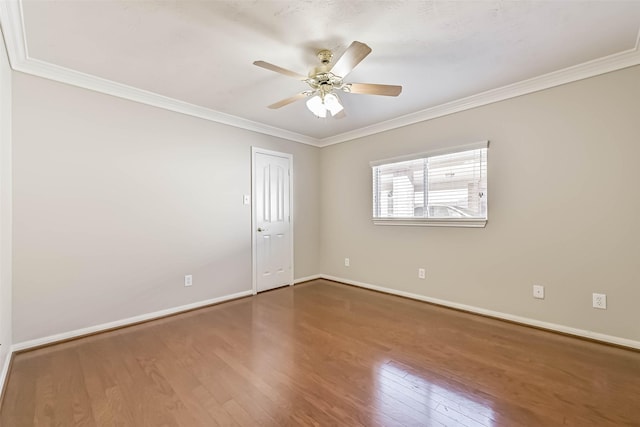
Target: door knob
[{"x": 260, "y": 229}]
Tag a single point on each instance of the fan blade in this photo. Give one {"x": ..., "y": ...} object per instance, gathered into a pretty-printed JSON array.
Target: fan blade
[
  {"x": 280, "y": 70},
  {"x": 350, "y": 58},
  {"x": 288, "y": 101},
  {"x": 373, "y": 89}
]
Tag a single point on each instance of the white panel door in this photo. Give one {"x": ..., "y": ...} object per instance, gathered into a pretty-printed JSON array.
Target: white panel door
[{"x": 272, "y": 221}]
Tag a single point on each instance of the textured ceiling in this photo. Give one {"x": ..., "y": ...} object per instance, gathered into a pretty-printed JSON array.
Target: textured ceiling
[{"x": 201, "y": 52}]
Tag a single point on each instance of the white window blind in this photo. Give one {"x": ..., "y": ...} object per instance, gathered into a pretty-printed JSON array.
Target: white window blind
[{"x": 445, "y": 189}]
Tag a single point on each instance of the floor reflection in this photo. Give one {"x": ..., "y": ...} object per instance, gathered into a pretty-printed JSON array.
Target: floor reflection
[{"x": 421, "y": 402}]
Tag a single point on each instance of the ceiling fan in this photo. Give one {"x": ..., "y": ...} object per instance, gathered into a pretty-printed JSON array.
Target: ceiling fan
[{"x": 327, "y": 78}]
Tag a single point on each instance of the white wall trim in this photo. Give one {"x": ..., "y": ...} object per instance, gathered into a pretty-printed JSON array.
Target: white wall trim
[
  {"x": 11, "y": 19},
  {"x": 25, "y": 345},
  {"x": 306, "y": 279},
  {"x": 4, "y": 375},
  {"x": 6, "y": 213},
  {"x": 98, "y": 84},
  {"x": 496, "y": 314},
  {"x": 13, "y": 31},
  {"x": 617, "y": 61}
]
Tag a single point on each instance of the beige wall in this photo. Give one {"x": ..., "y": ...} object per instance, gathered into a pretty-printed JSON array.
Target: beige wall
[
  {"x": 114, "y": 202},
  {"x": 5, "y": 206},
  {"x": 563, "y": 209}
]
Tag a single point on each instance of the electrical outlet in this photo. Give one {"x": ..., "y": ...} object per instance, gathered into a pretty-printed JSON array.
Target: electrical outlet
[
  {"x": 600, "y": 301},
  {"x": 421, "y": 273},
  {"x": 347, "y": 262},
  {"x": 188, "y": 280},
  {"x": 538, "y": 291}
]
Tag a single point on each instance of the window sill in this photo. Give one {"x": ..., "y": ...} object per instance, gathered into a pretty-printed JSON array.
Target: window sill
[{"x": 432, "y": 222}]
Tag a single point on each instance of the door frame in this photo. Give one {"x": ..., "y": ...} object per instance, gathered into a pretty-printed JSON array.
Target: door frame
[{"x": 254, "y": 248}]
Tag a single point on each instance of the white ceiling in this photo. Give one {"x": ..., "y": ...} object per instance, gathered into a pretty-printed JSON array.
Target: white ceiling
[{"x": 201, "y": 52}]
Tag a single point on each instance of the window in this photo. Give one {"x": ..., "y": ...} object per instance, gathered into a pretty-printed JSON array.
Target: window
[{"x": 444, "y": 188}]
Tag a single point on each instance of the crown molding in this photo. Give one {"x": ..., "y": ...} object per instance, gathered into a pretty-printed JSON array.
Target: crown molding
[
  {"x": 607, "y": 64},
  {"x": 13, "y": 31},
  {"x": 98, "y": 84},
  {"x": 11, "y": 20}
]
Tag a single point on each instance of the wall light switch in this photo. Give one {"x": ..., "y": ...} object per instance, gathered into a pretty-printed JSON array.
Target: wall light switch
[{"x": 246, "y": 199}]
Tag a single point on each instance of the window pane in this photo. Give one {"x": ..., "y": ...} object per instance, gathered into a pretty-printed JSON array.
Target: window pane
[
  {"x": 400, "y": 189},
  {"x": 449, "y": 186},
  {"x": 457, "y": 184}
]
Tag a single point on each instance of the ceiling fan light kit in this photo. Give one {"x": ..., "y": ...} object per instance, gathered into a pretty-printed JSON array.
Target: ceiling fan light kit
[
  {"x": 324, "y": 80},
  {"x": 320, "y": 106}
]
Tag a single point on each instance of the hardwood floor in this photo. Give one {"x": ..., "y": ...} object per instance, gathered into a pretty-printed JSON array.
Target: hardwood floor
[{"x": 322, "y": 353}]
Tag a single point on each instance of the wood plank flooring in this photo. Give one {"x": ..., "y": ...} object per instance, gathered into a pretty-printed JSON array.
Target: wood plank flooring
[{"x": 319, "y": 354}]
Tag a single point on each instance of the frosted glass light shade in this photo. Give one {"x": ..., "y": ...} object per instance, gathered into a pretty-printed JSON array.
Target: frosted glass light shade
[
  {"x": 319, "y": 106},
  {"x": 333, "y": 104}
]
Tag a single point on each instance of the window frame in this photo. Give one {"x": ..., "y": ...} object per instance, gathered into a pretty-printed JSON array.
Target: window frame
[{"x": 429, "y": 222}]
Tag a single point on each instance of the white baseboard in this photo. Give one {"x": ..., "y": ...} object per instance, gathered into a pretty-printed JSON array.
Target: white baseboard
[
  {"x": 25, "y": 345},
  {"x": 496, "y": 314},
  {"x": 5, "y": 371},
  {"x": 308, "y": 278}
]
